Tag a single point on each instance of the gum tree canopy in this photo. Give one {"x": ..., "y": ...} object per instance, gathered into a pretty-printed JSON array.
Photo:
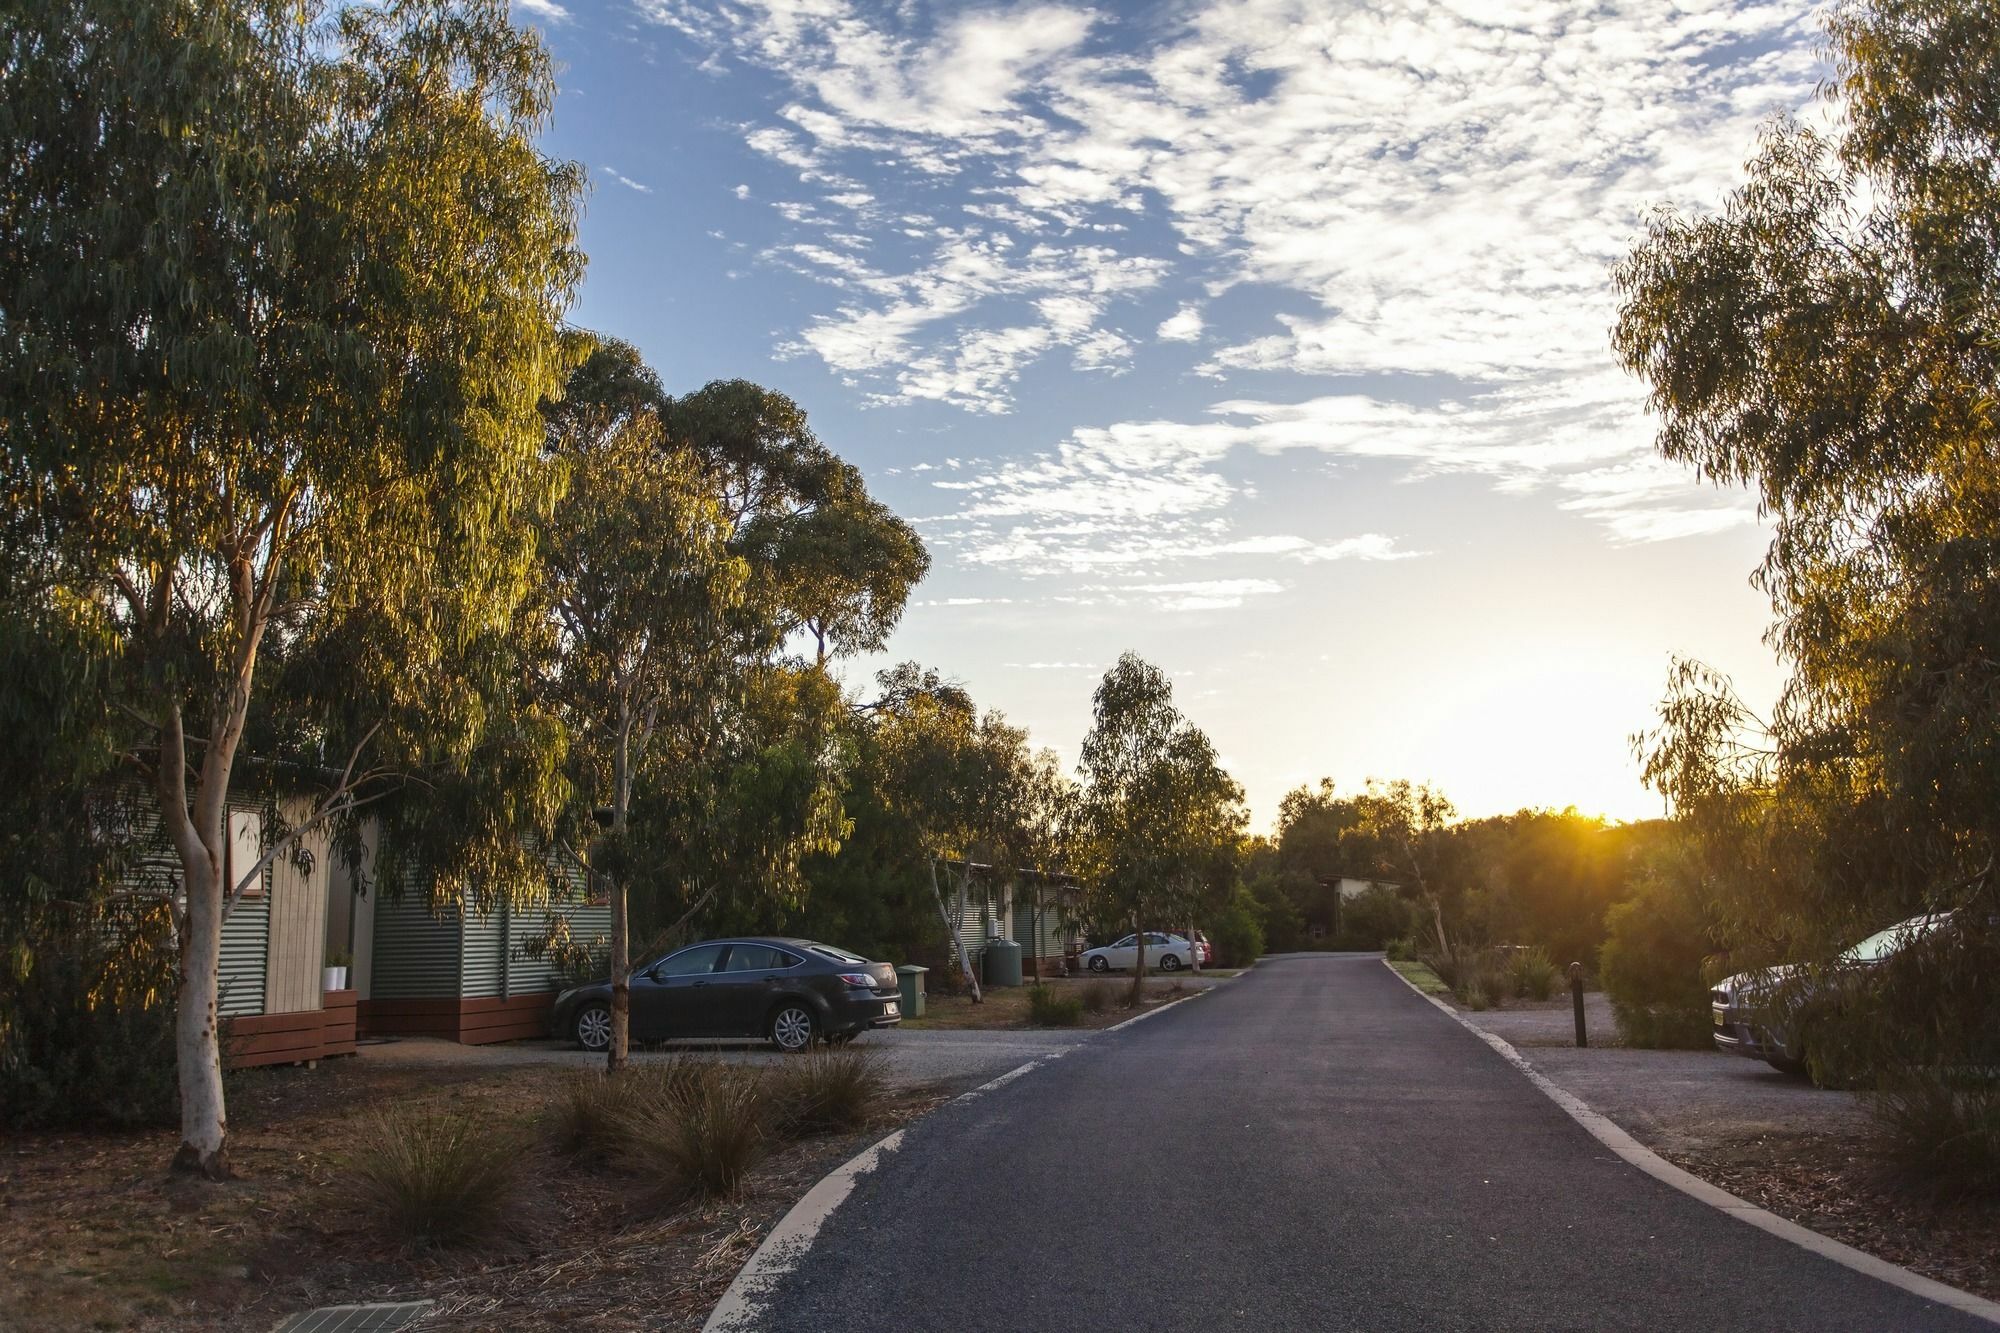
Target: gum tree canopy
[
  {"x": 280, "y": 294},
  {"x": 1831, "y": 339}
]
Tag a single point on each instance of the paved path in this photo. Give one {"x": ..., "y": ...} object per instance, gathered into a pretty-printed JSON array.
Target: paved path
[
  {"x": 955, "y": 1059},
  {"x": 1344, "y": 1156}
]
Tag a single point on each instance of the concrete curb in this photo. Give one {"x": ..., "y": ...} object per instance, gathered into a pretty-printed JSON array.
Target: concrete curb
[
  {"x": 1659, "y": 1168},
  {"x": 788, "y": 1242}
]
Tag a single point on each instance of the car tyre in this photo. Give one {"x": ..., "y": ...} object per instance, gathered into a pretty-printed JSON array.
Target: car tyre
[
  {"x": 593, "y": 1027},
  {"x": 1099, "y": 963},
  {"x": 1170, "y": 962},
  {"x": 792, "y": 1028}
]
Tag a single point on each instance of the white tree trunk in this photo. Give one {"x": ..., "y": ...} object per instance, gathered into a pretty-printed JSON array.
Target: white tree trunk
[{"x": 197, "y": 1037}]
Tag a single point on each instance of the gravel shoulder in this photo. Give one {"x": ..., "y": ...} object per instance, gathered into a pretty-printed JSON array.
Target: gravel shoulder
[{"x": 1801, "y": 1152}]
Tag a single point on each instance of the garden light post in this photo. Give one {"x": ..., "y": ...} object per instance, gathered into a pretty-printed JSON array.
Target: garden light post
[{"x": 1576, "y": 1001}]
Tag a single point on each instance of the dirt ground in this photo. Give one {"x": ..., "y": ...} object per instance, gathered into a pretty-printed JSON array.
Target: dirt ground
[{"x": 93, "y": 1234}]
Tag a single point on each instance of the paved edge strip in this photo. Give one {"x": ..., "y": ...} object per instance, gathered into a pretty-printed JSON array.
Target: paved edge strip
[
  {"x": 788, "y": 1242},
  {"x": 1607, "y": 1132}
]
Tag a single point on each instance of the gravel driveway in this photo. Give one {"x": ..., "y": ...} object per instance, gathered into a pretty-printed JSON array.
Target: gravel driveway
[
  {"x": 1672, "y": 1101},
  {"x": 954, "y": 1059}
]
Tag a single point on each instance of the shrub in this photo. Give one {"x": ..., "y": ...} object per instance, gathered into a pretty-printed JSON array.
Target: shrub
[
  {"x": 429, "y": 1175},
  {"x": 1095, "y": 996},
  {"x": 1944, "y": 1132},
  {"x": 1531, "y": 974},
  {"x": 824, "y": 1091},
  {"x": 1652, "y": 963},
  {"x": 1238, "y": 934},
  {"x": 702, "y": 1137},
  {"x": 1371, "y": 919},
  {"x": 87, "y": 1024},
  {"x": 1402, "y": 949},
  {"x": 1049, "y": 1007}
]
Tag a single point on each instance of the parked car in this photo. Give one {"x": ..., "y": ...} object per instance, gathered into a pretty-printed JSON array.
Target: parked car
[
  {"x": 1202, "y": 947},
  {"x": 1169, "y": 953},
  {"x": 1751, "y": 1008},
  {"x": 789, "y": 992}
]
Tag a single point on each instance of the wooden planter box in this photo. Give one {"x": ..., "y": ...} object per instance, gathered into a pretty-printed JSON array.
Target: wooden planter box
[{"x": 291, "y": 1039}]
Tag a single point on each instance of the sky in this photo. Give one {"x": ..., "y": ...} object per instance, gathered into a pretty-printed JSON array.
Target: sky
[{"x": 1266, "y": 338}]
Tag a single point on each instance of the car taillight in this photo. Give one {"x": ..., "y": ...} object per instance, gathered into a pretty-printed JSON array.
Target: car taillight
[{"x": 860, "y": 980}]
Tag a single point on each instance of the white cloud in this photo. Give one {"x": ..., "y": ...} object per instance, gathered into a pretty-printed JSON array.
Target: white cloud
[
  {"x": 547, "y": 10},
  {"x": 1435, "y": 188},
  {"x": 741, "y": 192},
  {"x": 627, "y": 181},
  {"x": 1183, "y": 326}
]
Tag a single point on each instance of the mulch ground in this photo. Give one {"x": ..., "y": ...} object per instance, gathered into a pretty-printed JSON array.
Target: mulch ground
[
  {"x": 95, "y": 1235},
  {"x": 1838, "y": 1187}
]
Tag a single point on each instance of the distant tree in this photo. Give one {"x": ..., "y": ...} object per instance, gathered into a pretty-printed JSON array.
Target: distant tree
[
  {"x": 281, "y": 292},
  {"x": 1160, "y": 820}
]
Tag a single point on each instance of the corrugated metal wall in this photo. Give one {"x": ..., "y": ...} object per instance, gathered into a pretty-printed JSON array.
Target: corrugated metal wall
[{"x": 416, "y": 955}]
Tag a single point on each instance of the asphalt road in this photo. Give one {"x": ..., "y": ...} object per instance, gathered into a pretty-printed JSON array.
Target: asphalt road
[{"x": 1310, "y": 1147}]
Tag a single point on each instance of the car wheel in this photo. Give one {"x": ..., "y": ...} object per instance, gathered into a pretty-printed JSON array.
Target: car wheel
[
  {"x": 593, "y": 1027},
  {"x": 1170, "y": 962},
  {"x": 1099, "y": 963},
  {"x": 792, "y": 1028}
]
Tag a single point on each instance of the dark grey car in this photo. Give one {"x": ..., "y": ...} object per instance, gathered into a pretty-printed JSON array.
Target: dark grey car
[{"x": 788, "y": 992}]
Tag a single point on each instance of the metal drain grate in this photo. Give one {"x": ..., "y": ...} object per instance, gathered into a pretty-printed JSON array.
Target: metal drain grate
[{"x": 356, "y": 1318}]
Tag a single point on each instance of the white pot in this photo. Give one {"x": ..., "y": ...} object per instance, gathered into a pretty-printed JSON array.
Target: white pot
[{"x": 335, "y": 978}]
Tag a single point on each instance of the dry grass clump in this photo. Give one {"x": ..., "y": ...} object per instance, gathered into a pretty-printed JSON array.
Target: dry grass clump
[
  {"x": 586, "y": 1118},
  {"x": 428, "y": 1175},
  {"x": 1096, "y": 996},
  {"x": 1049, "y": 1007},
  {"x": 702, "y": 1136},
  {"x": 824, "y": 1092},
  {"x": 1942, "y": 1131}
]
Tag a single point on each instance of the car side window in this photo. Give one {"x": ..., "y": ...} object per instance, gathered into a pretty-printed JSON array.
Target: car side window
[
  {"x": 1127, "y": 942},
  {"x": 1156, "y": 941},
  {"x": 693, "y": 961},
  {"x": 757, "y": 958}
]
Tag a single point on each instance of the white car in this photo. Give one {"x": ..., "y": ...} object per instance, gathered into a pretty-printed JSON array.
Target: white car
[{"x": 1169, "y": 953}]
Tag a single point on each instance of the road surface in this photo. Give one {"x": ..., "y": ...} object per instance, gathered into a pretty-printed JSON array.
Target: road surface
[{"x": 1312, "y": 1146}]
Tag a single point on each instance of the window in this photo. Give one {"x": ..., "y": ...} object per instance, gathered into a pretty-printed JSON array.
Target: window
[
  {"x": 692, "y": 962},
  {"x": 1127, "y": 942},
  {"x": 1156, "y": 941},
  {"x": 757, "y": 958},
  {"x": 837, "y": 955}
]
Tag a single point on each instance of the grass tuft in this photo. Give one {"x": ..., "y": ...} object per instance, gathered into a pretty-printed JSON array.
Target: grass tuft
[
  {"x": 1532, "y": 974},
  {"x": 824, "y": 1092},
  {"x": 1941, "y": 1131},
  {"x": 427, "y": 1175},
  {"x": 702, "y": 1137},
  {"x": 1049, "y": 1007},
  {"x": 1095, "y": 996}
]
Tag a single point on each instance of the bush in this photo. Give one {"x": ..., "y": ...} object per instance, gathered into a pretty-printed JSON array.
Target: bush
[
  {"x": 1238, "y": 934},
  {"x": 825, "y": 1091},
  {"x": 1402, "y": 949},
  {"x": 87, "y": 1025},
  {"x": 1944, "y": 1132},
  {"x": 1531, "y": 974},
  {"x": 428, "y": 1175},
  {"x": 1371, "y": 919},
  {"x": 703, "y": 1137},
  {"x": 1049, "y": 1007},
  {"x": 1651, "y": 965},
  {"x": 1095, "y": 996}
]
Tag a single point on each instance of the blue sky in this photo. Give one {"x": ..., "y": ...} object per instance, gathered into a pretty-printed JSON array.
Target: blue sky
[{"x": 1267, "y": 339}]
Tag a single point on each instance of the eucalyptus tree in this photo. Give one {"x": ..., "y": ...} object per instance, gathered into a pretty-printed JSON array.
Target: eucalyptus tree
[
  {"x": 280, "y": 294},
  {"x": 1161, "y": 819},
  {"x": 641, "y": 586},
  {"x": 1827, "y": 338},
  {"x": 831, "y": 562}
]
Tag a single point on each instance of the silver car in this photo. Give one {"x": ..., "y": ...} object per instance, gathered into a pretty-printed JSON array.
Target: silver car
[{"x": 1746, "y": 1007}]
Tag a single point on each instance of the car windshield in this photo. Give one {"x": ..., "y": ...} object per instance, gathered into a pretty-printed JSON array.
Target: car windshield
[{"x": 1885, "y": 942}]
